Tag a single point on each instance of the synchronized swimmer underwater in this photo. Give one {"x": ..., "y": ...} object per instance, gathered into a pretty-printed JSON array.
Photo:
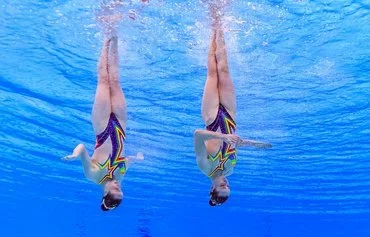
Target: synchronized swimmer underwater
[{"x": 215, "y": 146}]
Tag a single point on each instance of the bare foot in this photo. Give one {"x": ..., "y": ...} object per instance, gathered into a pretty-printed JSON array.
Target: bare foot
[
  {"x": 217, "y": 11},
  {"x": 216, "y": 15}
]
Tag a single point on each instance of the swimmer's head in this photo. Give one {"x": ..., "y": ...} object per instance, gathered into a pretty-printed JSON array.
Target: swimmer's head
[
  {"x": 220, "y": 191},
  {"x": 112, "y": 195}
]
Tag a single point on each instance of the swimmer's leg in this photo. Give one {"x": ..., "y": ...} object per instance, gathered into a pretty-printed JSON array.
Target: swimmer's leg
[
  {"x": 210, "y": 101},
  {"x": 102, "y": 104},
  {"x": 117, "y": 97},
  {"x": 225, "y": 85}
]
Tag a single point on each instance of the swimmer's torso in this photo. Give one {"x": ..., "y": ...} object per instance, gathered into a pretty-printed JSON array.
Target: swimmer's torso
[
  {"x": 221, "y": 156},
  {"x": 108, "y": 161}
]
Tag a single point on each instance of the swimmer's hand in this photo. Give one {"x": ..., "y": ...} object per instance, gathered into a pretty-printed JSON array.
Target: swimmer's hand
[
  {"x": 257, "y": 144},
  {"x": 139, "y": 156},
  {"x": 77, "y": 152},
  {"x": 133, "y": 159},
  {"x": 70, "y": 157},
  {"x": 230, "y": 138}
]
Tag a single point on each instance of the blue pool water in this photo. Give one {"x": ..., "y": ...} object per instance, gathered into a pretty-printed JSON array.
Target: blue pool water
[{"x": 301, "y": 73}]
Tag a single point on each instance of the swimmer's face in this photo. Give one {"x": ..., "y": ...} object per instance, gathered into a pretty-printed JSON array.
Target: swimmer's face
[
  {"x": 223, "y": 187},
  {"x": 220, "y": 191},
  {"x": 114, "y": 187},
  {"x": 112, "y": 195}
]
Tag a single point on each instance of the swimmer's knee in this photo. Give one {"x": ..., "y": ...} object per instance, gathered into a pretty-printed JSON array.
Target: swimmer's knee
[
  {"x": 114, "y": 81},
  {"x": 103, "y": 79}
]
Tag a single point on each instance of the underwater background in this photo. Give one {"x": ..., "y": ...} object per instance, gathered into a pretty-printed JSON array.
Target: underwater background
[{"x": 301, "y": 74}]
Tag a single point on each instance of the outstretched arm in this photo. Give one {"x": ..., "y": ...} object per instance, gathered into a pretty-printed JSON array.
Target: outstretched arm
[
  {"x": 257, "y": 144},
  {"x": 200, "y": 136},
  {"x": 131, "y": 159}
]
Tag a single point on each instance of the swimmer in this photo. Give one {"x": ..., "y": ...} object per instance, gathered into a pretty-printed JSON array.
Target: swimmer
[
  {"x": 108, "y": 165},
  {"x": 215, "y": 146}
]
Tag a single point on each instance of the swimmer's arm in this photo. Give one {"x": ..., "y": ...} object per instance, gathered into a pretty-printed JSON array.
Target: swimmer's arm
[
  {"x": 139, "y": 157},
  {"x": 200, "y": 136},
  {"x": 80, "y": 152},
  {"x": 257, "y": 144},
  {"x": 130, "y": 159},
  {"x": 203, "y": 135}
]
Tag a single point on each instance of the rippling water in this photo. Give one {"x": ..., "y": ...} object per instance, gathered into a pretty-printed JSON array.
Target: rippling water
[{"x": 300, "y": 69}]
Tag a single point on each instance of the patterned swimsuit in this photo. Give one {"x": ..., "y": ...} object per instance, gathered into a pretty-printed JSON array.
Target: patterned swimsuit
[
  {"x": 225, "y": 159},
  {"x": 117, "y": 136}
]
